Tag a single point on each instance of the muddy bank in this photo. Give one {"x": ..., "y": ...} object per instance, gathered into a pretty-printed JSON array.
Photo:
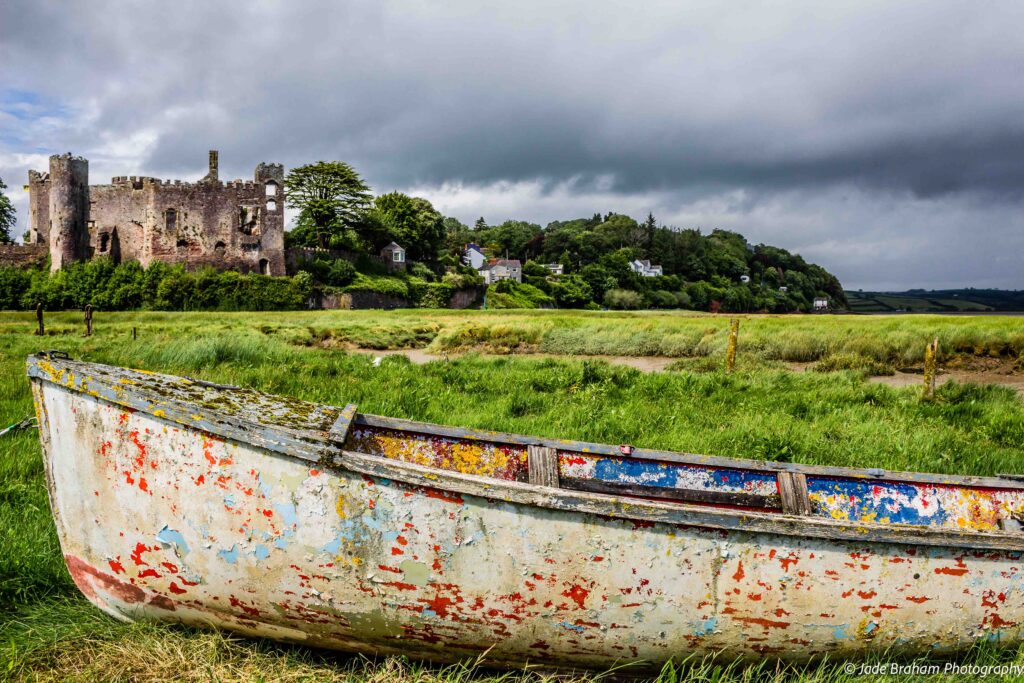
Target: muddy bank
[{"x": 419, "y": 356}]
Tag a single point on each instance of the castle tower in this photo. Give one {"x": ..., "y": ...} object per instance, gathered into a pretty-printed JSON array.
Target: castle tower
[
  {"x": 214, "y": 173},
  {"x": 69, "y": 210}
]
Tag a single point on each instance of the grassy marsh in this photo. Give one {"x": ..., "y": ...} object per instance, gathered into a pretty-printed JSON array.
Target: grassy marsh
[{"x": 835, "y": 417}]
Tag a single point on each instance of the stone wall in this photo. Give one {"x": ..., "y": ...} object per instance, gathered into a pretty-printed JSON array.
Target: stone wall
[
  {"x": 466, "y": 297},
  {"x": 22, "y": 254},
  {"x": 236, "y": 225},
  {"x": 360, "y": 300}
]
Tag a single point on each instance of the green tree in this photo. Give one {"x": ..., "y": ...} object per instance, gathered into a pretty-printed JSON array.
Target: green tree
[
  {"x": 412, "y": 222},
  {"x": 330, "y": 197},
  {"x": 572, "y": 291},
  {"x": 7, "y": 215},
  {"x": 650, "y": 226}
]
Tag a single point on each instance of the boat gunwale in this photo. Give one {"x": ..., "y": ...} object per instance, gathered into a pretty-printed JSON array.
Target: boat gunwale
[
  {"x": 318, "y": 447},
  {"x": 587, "y": 448}
]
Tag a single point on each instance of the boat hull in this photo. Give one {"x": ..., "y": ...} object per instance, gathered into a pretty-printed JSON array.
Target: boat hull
[{"x": 162, "y": 522}]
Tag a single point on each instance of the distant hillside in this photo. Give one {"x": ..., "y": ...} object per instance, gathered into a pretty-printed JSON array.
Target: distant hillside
[{"x": 936, "y": 301}]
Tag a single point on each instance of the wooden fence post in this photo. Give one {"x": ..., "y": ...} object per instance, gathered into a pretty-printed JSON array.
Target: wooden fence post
[
  {"x": 39, "y": 319},
  {"x": 88, "y": 320},
  {"x": 134, "y": 335},
  {"x": 730, "y": 350},
  {"x": 931, "y": 360}
]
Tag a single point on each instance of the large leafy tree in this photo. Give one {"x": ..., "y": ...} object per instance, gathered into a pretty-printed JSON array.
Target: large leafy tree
[
  {"x": 7, "y": 217},
  {"x": 412, "y": 222},
  {"x": 331, "y": 197}
]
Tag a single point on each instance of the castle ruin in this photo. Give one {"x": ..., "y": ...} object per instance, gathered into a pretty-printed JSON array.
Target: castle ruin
[{"x": 237, "y": 225}]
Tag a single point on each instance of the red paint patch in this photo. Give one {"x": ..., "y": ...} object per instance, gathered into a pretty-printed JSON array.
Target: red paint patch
[
  {"x": 917, "y": 598},
  {"x": 116, "y": 566},
  {"x": 175, "y": 588},
  {"x": 951, "y": 571},
  {"x": 738, "y": 576},
  {"x": 137, "y": 554},
  {"x": 88, "y": 579},
  {"x": 577, "y": 594},
  {"x": 442, "y": 495},
  {"x": 766, "y": 623}
]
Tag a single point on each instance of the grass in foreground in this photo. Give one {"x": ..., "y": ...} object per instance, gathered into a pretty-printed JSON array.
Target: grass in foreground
[{"x": 48, "y": 632}]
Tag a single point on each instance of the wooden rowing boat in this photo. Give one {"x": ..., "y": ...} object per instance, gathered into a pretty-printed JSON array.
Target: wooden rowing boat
[{"x": 181, "y": 500}]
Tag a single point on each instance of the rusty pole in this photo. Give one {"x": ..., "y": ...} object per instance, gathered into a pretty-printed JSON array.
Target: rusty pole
[
  {"x": 730, "y": 350},
  {"x": 88, "y": 320},
  {"x": 931, "y": 354},
  {"x": 39, "y": 319}
]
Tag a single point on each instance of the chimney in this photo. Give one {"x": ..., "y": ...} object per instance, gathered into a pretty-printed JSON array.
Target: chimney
[{"x": 212, "y": 175}]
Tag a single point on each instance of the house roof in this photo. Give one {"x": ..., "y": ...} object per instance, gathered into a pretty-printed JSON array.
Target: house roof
[
  {"x": 393, "y": 247},
  {"x": 474, "y": 247},
  {"x": 508, "y": 263}
]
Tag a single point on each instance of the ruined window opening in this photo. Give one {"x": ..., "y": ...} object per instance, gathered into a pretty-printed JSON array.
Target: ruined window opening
[
  {"x": 182, "y": 243},
  {"x": 219, "y": 248},
  {"x": 271, "y": 205},
  {"x": 249, "y": 219},
  {"x": 104, "y": 242},
  {"x": 171, "y": 219},
  {"x": 264, "y": 267},
  {"x": 271, "y": 188}
]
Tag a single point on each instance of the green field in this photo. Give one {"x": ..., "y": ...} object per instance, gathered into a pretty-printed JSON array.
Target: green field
[
  {"x": 764, "y": 410},
  {"x": 936, "y": 301}
]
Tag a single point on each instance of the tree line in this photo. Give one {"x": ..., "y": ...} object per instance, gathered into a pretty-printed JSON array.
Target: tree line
[
  {"x": 715, "y": 271},
  {"x": 337, "y": 210}
]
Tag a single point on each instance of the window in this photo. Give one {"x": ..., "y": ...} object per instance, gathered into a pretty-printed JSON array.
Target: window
[
  {"x": 264, "y": 267},
  {"x": 271, "y": 205},
  {"x": 397, "y": 256},
  {"x": 271, "y": 188},
  {"x": 104, "y": 242},
  {"x": 249, "y": 219},
  {"x": 219, "y": 249},
  {"x": 171, "y": 219}
]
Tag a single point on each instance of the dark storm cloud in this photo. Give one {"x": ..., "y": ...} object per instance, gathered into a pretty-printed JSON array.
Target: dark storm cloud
[{"x": 875, "y": 138}]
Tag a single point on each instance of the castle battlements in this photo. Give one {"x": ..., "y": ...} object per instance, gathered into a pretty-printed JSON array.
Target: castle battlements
[{"x": 229, "y": 225}]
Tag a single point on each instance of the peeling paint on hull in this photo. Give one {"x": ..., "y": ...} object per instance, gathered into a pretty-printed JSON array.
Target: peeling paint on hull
[{"x": 164, "y": 522}]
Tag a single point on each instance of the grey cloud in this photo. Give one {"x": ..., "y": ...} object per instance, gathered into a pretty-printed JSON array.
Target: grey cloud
[{"x": 665, "y": 105}]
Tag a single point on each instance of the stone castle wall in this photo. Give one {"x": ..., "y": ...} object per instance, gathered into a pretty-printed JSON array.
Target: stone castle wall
[
  {"x": 236, "y": 225},
  {"x": 23, "y": 254}
]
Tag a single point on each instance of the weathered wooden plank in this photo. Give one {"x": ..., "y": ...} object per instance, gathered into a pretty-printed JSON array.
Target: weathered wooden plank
[
  {"x": 712, "y": 497},
  {"x": 793, "y": 491},
  {"x": 542, "y": 465},
  {"x": 339, "y": 430}
]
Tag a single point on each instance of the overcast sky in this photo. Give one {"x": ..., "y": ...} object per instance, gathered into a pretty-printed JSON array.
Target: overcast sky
[{"x": 883, "y": 140}]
